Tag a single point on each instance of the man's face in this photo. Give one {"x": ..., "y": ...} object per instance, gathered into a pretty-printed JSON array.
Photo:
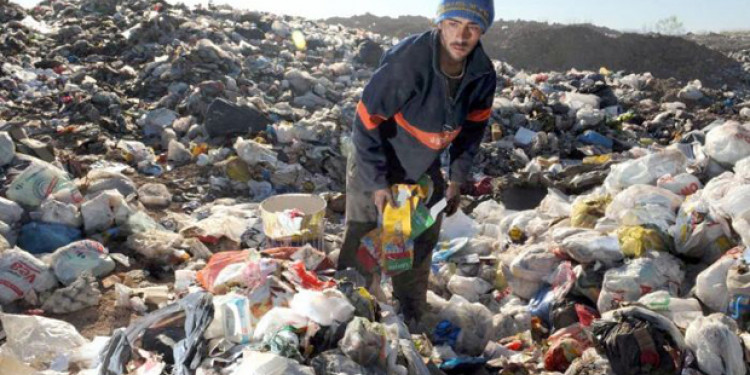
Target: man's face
[{"x": 459, "y": 36}]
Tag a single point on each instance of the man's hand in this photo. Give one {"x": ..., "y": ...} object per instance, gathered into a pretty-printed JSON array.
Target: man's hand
[
  {"x": 453, "y": 197},
  {"x": 381, "y": 198}
]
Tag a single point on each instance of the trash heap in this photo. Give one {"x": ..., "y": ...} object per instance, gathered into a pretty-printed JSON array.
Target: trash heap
[{"x": 138, "y": 139}]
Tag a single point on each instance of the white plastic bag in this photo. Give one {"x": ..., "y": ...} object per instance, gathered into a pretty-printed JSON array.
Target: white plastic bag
[
  {"x": 38, "y": 341},
  {"x": 742, "y": 169},
  {"x": 711, "y": 284},
  {"x": 458, "y": 225},
  {"x": 700, "y": 232},
  {"x": 716, "y": 345},
  {"x": 7, "y": 149},
  {"x": 645, "y": 170},
  {"x": 642, "y": 196},
  {"x": 470, "y": 288},
  {"x": 155, "y": 244},
  {"x": 253, "y": 153},
  {"x": 257, "y": 363},
  {"x": 682, "y": 184},
  {"x": 10, "y": 212},
  {"x": 154, "y": 195},
  {"x": 20, "y": 273},
  {"x": 71, "y": 261},
  {"x": 591, "y": 246},
  {"x": 39, "y": 181},
  {"x": 475, "y": 321},
  {"x": 681, "y": 311},
  {"x": 324, "y": 307},
  {"x": 55, "y": 212},
  {"x": 276, "y": 319},
  {"x": 555, "y": 205},
  {"x": 105, "y": 211},
  {"x": 529, "y": 270},
  {"x": 728, "y": 143},
  {"x": 641, "y": 276}
]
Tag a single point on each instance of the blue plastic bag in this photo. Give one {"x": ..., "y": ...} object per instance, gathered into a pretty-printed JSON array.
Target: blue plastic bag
[{"x": 39, "y": 238}]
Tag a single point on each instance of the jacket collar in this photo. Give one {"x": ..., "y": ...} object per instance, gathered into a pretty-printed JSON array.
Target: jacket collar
[{"x": 477, "y": 63}]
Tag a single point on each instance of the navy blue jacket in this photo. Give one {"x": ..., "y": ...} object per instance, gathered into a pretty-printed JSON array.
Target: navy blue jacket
[{"x": 406, "y": 117}]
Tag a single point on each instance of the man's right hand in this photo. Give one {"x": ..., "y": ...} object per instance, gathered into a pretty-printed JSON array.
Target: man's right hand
[{"x": 382, "y": 197}]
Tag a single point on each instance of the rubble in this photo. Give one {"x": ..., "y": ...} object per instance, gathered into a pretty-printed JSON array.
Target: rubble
[{"x": 138, "y": 140}]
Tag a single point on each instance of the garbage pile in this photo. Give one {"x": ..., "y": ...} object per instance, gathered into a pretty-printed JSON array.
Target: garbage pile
[{"x": 138, "y": 140}]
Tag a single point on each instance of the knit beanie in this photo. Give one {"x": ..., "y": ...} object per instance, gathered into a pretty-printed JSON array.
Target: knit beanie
[{"x": 480, "y": 11}]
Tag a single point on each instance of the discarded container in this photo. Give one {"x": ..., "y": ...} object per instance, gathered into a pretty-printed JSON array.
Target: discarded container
[{"x": 293, "y": 220}]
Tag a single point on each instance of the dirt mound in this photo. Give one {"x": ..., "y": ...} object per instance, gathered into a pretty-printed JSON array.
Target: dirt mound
[
  {"x": 537, "y": 46},
  {"x": 726, "y": 42}
]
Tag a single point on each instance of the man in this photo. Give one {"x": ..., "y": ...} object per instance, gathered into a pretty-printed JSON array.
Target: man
[{"x": 432, "y": 92}]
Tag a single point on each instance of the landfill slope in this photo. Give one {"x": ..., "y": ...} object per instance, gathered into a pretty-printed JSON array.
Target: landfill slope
[{"x": 537, "y": 46}]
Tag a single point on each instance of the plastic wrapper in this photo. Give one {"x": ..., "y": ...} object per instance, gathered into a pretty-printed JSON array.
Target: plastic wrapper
[
  {"x": 71, "y": 261},
  {"x": 324, "y": 307},
  {"x": 21, "y": 273},
  {"x": 716, "y": 345}
]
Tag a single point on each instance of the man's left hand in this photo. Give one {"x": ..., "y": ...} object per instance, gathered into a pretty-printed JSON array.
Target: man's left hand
[{"x": 453, "y": 198}]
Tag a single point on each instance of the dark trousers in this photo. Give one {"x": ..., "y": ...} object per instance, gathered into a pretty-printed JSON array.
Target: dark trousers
[{"x": 409, "y": 287}]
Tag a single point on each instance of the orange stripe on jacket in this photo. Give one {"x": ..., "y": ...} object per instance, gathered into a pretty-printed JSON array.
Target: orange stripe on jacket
[
  {"x": 371, "y": 121},
  {"x": 435, "y": 141},
  {"x": 479, "y": 115}
]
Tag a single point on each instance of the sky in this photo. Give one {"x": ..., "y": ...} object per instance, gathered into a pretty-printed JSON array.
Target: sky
[{"x": 633, "y": 15}]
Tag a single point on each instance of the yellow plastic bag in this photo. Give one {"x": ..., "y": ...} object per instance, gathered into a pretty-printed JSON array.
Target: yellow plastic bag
[
  {"x": 635, "y": 241},
  {"x": 587, "y": 211}
]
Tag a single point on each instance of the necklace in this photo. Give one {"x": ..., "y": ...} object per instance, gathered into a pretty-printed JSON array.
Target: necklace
[{"x": 463, "y": 70}]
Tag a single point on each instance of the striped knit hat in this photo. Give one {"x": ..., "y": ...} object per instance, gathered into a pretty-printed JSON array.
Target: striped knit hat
[{"x": 480, "y": 11}]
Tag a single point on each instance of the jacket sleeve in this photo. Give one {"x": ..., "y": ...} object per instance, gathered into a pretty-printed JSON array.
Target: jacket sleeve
[
  {"x": 466, "y": 145},
  {"x": 383, "y": 96}
]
